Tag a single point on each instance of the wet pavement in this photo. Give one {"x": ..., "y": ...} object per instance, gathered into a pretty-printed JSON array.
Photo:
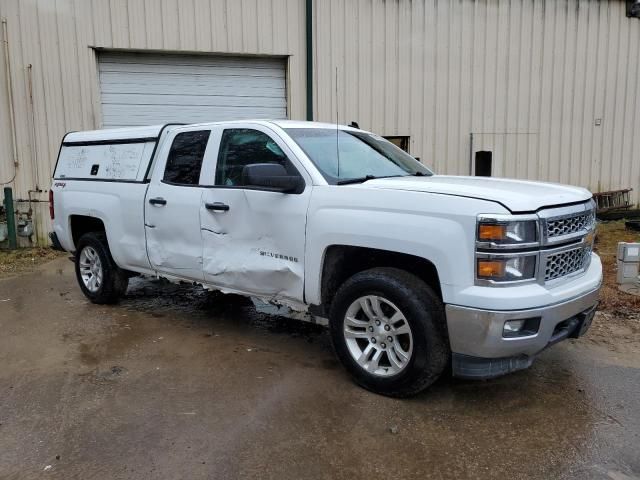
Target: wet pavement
[{"x": 175, "y": 383}]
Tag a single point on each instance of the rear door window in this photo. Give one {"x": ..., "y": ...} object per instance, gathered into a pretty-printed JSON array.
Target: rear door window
[{"x": 185, "y": 158}]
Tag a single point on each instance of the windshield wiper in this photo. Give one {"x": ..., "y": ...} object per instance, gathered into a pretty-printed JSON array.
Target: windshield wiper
[
  {"x": 374, "y": 177},
  {"x": 357, "y": 180}
]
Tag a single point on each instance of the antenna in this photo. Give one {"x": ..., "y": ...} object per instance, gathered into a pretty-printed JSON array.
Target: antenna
[{"x": 337, "y": 129}]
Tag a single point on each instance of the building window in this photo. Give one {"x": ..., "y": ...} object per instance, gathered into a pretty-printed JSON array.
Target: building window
[
  {"x": 399, "y": 141},
  {"x": 185, "y": 158},
  {"x": 483, "y": 164}
]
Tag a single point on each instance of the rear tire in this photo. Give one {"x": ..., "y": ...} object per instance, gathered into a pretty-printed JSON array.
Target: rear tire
[
  {"x": 100, "y": 279},
  {"x": 389, "y": 331}
]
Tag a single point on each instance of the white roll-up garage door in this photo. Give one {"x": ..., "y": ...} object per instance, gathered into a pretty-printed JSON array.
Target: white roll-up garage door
[{"x": 149, "y": 89}]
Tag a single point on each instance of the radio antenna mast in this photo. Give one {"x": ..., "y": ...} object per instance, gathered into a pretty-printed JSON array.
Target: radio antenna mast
[{"x": 337, "y": 129}]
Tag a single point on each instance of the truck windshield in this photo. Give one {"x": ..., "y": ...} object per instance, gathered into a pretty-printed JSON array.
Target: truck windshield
[{"x": 345, "y": 156}]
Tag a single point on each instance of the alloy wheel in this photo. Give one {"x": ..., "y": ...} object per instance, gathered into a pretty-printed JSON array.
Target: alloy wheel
[
  {"x": 91, "y": 269},
  {"x": 378, "y": 336}
]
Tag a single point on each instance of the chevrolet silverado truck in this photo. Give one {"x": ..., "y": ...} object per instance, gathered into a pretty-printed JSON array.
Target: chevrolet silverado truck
[{"x": 416, "y": 274}]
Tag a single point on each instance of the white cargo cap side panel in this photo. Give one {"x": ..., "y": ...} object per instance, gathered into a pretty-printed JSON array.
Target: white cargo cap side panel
[
  {"x": 127, "y": 161},
  {"x": 116, "y": 154}
]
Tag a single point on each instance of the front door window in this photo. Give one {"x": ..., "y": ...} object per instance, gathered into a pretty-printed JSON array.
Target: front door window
[{"x": 240, "y": 147}]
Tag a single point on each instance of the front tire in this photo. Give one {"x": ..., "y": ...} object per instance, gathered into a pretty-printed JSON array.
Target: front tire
[
  {"x": 389, "y": 331},
  {"x": 100, "y": 279}
]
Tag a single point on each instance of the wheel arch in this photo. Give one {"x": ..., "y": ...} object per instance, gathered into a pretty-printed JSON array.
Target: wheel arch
[
  {"x": 341, "y": 262},
  {"x": 82, "y": 224}
]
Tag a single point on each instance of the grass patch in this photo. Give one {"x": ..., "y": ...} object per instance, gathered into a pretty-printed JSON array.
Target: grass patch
[
  {"x": 611, "y": 299},
  {"x": 23, "y": 260}
]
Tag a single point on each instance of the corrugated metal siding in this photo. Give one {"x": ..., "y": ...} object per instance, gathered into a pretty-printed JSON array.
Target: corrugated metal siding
[
  {"x": 56, "y": 37},
  {"x": 528, "y": 78},
  {"x": 150, "y": 89}
]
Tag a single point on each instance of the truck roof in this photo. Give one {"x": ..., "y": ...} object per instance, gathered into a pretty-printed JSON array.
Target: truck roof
[
  {"x": 153, "y": 131},
  {"x": 280, "y": 123},
  {"x": 305, "y": 124}
]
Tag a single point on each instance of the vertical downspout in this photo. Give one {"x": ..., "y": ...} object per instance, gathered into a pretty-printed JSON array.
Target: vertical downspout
[
  {"x": 309, "y": 29},
  {"x": 34, "y": 146},
  {"x": 471, "y": 154},
  {"x": 12, "y": 119},
  {"x": 11, "y": 218}
]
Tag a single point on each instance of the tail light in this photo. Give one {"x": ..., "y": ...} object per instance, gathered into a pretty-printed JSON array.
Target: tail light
[{"x": 52, "y": 212}]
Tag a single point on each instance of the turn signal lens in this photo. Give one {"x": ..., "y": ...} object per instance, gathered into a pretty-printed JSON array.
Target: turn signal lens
[
  {"x": 508, "y": 268},
  {"x": 507, "y": 232},
  {"x": 492, "y": 232},
  {"x": 491, "y": 268}
]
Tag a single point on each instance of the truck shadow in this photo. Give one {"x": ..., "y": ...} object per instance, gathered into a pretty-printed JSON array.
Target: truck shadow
[
  {"x": 192, "y": 305},
  {"x": 200, "y": 308}
]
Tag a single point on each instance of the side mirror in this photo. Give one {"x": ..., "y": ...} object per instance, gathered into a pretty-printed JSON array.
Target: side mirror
[{"x": 271, "y": 176}]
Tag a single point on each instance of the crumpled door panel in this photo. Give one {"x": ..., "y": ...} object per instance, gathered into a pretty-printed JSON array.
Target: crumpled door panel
[{"x": 257, "y": 246}]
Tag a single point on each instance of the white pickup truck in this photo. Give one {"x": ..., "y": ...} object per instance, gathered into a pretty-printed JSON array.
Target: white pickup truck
[{"x": 416, "y": 273}]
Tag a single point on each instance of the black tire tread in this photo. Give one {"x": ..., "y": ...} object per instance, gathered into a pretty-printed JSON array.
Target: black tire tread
[
  {"x": 115, "y": 280},
  {"x": 423, "y": 298}
]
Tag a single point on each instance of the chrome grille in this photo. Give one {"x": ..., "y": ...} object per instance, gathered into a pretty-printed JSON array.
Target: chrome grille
[
  {"x": 570, "y": 224},
  {"x": 565, "y": 263}
]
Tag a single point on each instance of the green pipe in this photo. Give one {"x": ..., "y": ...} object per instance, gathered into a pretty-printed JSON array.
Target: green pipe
[
  {"x": 11, "y": 219},
  {"x": 309, "y": 28}
]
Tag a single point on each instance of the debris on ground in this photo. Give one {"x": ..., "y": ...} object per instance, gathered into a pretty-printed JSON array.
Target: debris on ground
[
  {"x": 24, "y": 260},
  {"x": 633, "y": 225},
  {"x": 631, "y": 289}
]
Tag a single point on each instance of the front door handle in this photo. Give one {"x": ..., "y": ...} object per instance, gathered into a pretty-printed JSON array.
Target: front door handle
[
  {"x": 217, "y": 206},
  {"x": 158, "y": 201}
]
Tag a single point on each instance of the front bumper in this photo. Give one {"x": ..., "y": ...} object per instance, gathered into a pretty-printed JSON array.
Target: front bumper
[{"x": 480, "y": 350}]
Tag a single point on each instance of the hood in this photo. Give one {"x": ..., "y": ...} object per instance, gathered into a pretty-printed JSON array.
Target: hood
[{"x": 515, "y": 195}]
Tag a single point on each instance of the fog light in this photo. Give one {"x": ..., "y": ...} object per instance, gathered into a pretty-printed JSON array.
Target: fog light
[
  {"x": 522, "y": 327},
  {"x": 511, "y": 327}
]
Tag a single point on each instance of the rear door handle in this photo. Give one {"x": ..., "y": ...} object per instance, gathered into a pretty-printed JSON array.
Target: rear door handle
[
  {"x": 158, "y": 201},
  {"x": 217, "y": 206}
]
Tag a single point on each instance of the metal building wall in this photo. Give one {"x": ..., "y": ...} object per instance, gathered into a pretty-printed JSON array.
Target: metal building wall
[
  {"x": 55, "y": 36},
  {"x": 529, "y": 79}
]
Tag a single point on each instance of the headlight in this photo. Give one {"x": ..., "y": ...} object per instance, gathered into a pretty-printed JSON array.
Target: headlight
[
  {"x": 496, "y": 232},
  {"x": 507, "y": 249},
  {"x": 515, "y": 268}
]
